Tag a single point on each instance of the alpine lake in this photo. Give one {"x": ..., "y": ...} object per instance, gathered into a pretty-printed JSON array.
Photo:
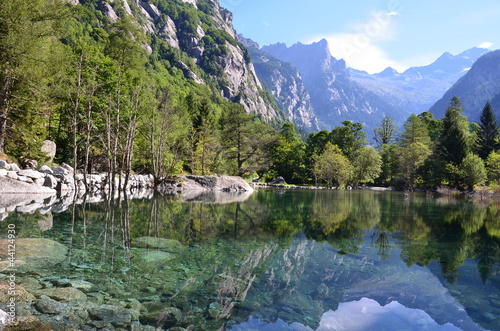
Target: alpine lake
[{"x": 271, "y": 260}]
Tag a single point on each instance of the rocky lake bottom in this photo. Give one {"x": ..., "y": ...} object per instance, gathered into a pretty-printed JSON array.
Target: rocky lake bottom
[{"x": 276, "y": 260}]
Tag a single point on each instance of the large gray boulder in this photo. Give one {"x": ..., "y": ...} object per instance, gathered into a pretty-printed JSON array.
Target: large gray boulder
[
  {"x": 49, "y": 148},
  {"x": 215, "y": 183},
  {"x": 4, "y": 165},
  {"x": 9, "y": 185}
]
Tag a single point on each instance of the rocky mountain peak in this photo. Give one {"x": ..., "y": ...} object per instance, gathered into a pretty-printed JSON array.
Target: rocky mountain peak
[{"x": 203, "y": 31}]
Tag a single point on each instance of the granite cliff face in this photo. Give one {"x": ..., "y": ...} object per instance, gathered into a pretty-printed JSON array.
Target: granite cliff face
[
  {"x": 203, "y": 31},
  {"x": 285, "y": 83},
  {"x": 480, "y": 85},
  {"x": 335, "y": 96}
]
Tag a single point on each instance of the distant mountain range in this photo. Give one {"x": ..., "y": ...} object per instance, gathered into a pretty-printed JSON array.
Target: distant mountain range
[
  {"x": 418, "y": 88},
  {"x": 335, "y": 95},
  {"x": 480, "y": 85},
  {"x": 318, "y": 91}
]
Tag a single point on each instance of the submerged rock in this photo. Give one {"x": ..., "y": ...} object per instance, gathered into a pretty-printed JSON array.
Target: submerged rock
[
  {"x": 21, "y": 295},
  {"x": 166, "y": 318},
  {"x": 36, "y": 252},
  {"x": 117, "y": 316},
  {"x": 158, "y": 243},
  {"x": 152, "y": 259},
  {"x": 64, "y": 294},
  {"x": 47, "y": 305}
]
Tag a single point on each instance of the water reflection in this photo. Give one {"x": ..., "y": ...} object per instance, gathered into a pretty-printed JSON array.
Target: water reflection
[
  {"x": 278, "y": 258},
  {"x": 365, "y": 314}
]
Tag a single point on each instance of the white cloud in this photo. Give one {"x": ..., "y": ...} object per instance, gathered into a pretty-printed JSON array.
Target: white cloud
[
  {"x": 361, "y": 46},
  {"x": 486, "y": 44}
]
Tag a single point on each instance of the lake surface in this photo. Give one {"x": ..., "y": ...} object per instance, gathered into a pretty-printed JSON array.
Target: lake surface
[{"x": 273, "y": 260}]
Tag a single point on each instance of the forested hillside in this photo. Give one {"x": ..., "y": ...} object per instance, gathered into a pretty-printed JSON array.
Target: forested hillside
[
  {"x": 155, "y": 86},
  {"x": 163, "y": 87}
]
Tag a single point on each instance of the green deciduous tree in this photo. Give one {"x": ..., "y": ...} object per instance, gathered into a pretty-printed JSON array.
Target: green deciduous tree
[
  {"x": 493, "y": 167},
  {"x": 163, "y": 131},
  {"x": 367, "y": 166},
  {"x": 332, "y": 166},
  {"x": 289, "y": 155},
  {"x": 349, "y": 138},
  {"x": 390, "y": 164},
  {"x": 472, "y": 171},
  {"x": 434, "y": 126},
  {"x": 27, "y": 42}
]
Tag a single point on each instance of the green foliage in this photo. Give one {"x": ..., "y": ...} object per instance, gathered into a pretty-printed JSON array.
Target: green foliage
[
  {"x": 434, "y": 126},
  {"x": 333, "y": 167},
  {"x": 385, "y": 134},
  {"x": 247, "y": 142},
  {"x": 415, "y": 149},
  {"x": 390, "y": 164},
  {"x": 488, "y": 133},
  {"x": 367, "y": 166},
  {"x": 288, "y": 155},
  {"x": 28, "y": 31},
  {"x": 493, "y": 167},
  {"x": 349, "y": 138},
  {"x": 472, "y": 171},
  {"x": 453, "y": 144}
]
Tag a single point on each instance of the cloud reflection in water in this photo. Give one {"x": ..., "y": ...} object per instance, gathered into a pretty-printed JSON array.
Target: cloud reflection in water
[{"x": 362, "y": 315}]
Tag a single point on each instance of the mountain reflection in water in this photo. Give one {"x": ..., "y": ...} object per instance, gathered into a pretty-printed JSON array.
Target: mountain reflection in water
[{"x": 289, "y": 260}]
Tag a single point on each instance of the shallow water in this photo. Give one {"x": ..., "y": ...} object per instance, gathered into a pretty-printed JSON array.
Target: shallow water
[{"x": 279, "y": 260}]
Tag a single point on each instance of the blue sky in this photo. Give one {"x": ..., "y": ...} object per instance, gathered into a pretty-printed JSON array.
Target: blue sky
[{"x": 373, "y": 34}]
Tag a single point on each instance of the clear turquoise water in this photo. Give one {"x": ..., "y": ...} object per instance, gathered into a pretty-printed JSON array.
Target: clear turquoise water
[{"x": 286, "y": 260}]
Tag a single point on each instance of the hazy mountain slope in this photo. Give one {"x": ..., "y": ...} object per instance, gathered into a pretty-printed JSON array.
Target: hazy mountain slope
[
  {"x": 335, "y": 96},
  {"x": 418, "y": 88},
  {"x": 285, "y": 83},
  {"x": 480, "y": 85}
]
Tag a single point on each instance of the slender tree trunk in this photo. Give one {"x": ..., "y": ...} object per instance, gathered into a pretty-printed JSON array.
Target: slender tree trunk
[{"x": 4, "y": 109}]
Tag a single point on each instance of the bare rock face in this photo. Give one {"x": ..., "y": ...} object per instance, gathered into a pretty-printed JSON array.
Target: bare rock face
[
  {"x": 9, "y": 185},
  {"x": 242, "y": 84},
  {"x": 49, "y": 147},
  {"x": 215, "y": 183}
]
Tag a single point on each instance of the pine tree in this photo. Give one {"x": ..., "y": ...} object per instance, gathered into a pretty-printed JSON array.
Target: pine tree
[
  {"x": 488, "y": 134},
  {"x": 414, "y": 151},
  {"x": 453, "y": 144},
  {"x": 385, "y": 134}
]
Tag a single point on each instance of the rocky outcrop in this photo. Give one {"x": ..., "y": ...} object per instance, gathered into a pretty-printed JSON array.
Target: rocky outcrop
[
  {"x": 223, "y": 60},
  {"x": 215, "y": 183},
  {"x": 206, "y": 184},
  {"x": 63, "y": 179},
  {"x": 335, "y": 96},
  {"x": 480, "y": 85},
  {"x": 285, "y": 83}
]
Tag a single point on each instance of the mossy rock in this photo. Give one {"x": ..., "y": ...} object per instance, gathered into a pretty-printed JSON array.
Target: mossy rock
[
  {"x": 34, "y": 253},
  {"x": 21, "y": 295},
  {"x": 152, "y": 259}
]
